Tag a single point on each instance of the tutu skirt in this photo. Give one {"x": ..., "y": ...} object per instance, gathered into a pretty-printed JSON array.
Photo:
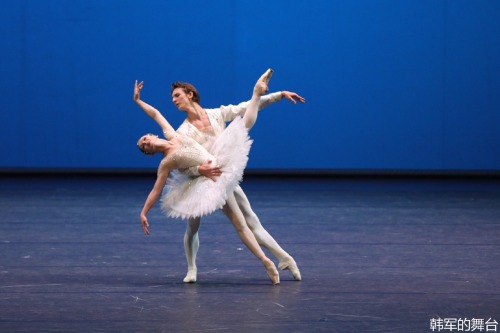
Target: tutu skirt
[{"x": 186, "y": 196}]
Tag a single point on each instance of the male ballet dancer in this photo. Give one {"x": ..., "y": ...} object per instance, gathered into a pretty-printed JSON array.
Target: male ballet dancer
[{"x": 202, "y": 125}]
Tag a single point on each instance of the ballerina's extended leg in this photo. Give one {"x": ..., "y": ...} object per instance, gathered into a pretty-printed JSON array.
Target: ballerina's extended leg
[{"x": 260, "y": 88}]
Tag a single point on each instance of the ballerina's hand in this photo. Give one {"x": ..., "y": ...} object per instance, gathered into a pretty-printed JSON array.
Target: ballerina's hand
[
  {"x": 293, "y": 97},
  {"x": 137, "y": 90},
  {"x": 145, "y": 224}
]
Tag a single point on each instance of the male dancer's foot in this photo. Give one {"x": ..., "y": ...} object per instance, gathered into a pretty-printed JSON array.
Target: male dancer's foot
[
  {"x": 191, "y": 276},
  {"x": 291, "y": 265}
]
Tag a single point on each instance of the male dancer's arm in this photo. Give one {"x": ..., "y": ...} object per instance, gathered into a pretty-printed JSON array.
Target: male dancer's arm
[
  {"x": 230, "y": 112},
  {"x": 206, "y": 169}
]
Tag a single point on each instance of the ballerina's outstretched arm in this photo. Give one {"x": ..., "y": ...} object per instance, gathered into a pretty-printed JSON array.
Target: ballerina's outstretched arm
[
  {"x": 259, "y": 89},
  {"x": 164, "y": 169},
  {"x": 168, "y": 130}
]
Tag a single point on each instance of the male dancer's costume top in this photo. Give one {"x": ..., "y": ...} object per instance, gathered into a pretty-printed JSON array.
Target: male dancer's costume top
[{"x": 186, "y": 195}]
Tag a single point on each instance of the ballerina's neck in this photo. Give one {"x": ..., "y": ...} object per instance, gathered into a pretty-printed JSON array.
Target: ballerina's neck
[{"x": 171, "y": 146}]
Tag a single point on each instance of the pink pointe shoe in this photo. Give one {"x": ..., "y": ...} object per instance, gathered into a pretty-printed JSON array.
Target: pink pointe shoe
[
  {"x": 272, "y": 272},
  {"x": 261, "y": 87}
]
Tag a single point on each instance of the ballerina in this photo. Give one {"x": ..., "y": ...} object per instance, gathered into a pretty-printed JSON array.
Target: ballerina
[{"x": 182, "y": 197}]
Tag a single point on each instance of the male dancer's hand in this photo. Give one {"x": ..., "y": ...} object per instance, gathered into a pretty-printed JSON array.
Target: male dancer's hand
[
  {"x": 208, "y": 170},
  {"x": 292, "y": 97}
]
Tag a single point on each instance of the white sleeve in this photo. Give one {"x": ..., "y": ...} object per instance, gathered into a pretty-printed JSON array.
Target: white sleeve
[{"x": 229, "y": 112}]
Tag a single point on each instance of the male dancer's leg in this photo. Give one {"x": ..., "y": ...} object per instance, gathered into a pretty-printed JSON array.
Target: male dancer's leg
[
  {"x": 263, "y": 237},
  {"x": 191, "y": 246}
]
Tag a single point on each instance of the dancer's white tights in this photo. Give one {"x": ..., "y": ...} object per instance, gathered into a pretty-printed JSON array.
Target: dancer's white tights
[
  {"x": 252, "y": 111},
  {"x": 192, "y": 242},
  {"x": 232, "y": 211},
  {"x": 263, "y": 237},
  {"x": 259, "y": 89}
]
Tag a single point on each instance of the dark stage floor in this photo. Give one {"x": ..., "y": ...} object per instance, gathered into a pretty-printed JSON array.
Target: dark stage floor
[{"x": 376, "y": 255}]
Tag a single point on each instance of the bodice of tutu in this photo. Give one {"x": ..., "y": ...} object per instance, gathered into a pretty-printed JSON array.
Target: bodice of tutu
[
  {"x": 190, "y": 196},
  {"x": 190, "y": 153}
]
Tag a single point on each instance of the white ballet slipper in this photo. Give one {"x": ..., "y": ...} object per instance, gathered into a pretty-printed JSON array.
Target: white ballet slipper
[
  {"x": 191, "y": 276},
  {"x": 291, "y": 265}
]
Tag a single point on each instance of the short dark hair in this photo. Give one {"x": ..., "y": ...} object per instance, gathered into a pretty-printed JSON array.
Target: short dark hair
[{"x": 187, "y": 87}]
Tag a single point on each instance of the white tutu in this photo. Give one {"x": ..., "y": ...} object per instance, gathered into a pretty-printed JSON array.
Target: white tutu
[{"x": 185, "y": 197}]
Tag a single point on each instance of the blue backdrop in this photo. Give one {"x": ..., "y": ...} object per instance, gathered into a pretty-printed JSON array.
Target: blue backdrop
[{"x": 390, "y": 84}]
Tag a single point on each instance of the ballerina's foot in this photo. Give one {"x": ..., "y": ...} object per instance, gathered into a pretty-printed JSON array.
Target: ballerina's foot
[
  {"x": 291, "y": 265},
  {"x": 261, "y": 87},
  {"x": 272, "y": 272},
  {"x": 190, "y": 276}
]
